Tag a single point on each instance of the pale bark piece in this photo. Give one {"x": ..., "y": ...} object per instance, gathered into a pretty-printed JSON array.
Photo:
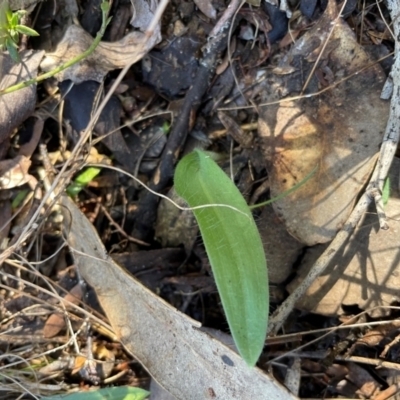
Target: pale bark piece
[
  {"x": 17, "y": 106},
  {"x": 366, "y": 273},
  {"x": 187, "y": 362},
  {"x": 338, "y": 131}
]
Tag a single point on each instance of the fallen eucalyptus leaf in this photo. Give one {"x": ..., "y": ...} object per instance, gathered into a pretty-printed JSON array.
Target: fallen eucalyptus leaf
[
  {"x": 187, "y": 362},
  {"x": 339, "y": 131},
  {"x": 233, "y": 246},
  {"x": 366, "y": 272}
]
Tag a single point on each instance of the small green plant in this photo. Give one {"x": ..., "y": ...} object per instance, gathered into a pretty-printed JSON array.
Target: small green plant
[
  {"x": 10, "y": 29},
  {"x": 105, "y": 7},
  {"x": 82, "y": 180}
]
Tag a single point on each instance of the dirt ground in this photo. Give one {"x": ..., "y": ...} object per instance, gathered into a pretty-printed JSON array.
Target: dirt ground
[{"x": 288, "y": 98}]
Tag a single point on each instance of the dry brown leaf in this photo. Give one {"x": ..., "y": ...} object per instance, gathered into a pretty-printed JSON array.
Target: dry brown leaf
[
  {"x": 281, "y": 249},
  {"x": 366, "y": 384},
  {"x": 366, "y": 272},
  {"x": 339, "y": 131},
  {"x": 14, "y": 172},
  {"x": 186, "y": 361},
  {"x": 56, "y": 322}
]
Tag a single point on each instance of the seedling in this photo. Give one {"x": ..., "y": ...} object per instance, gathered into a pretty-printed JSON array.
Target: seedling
[
  {"x": 105, "y": 7},
  {"x": 10, "y": 29}
]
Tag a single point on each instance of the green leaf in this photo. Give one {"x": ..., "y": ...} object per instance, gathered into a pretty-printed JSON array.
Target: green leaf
[
  {"x": 286, "y": 192},
  {"x": 12, "y": 49},
  {"x": 82, "y": 180},
  {"x": 14, "y": 35},
  {"x": 9, "y": 13},
  {"x": 19, "y": 198},
  {"x": 105, "y": 7},
  {"x": 114, "y": 393},
  {"x": 26, "y": 31},
  {"x": 14, "y": 20},
  {"x": 166, "y": 127},
  {"x": 234, "y": 248},
  {"x": 4, "y": 7},
  {"x": 386, "y": 191}
]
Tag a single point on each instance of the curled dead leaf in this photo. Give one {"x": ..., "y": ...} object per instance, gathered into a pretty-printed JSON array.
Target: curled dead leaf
[
  {"x": 56, "y": 322},
  {"x": 14, "y": 172},
  {"x": 106, "y": 57}
]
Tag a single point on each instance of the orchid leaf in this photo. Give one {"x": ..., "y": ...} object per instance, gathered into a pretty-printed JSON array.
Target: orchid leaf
[
  {"x": 234, "y": 248},
  {"x": 115, "y": 393}
]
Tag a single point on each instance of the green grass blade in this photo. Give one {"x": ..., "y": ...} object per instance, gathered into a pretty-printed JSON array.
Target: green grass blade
[
  {"x": 233, "y": 246},
  {"x": 82, "y": 180},
  {"x": 287, "y": 192},
  {"x": 386, "y": 191}
]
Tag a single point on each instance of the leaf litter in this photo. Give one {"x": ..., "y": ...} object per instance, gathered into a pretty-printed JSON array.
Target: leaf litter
[{"x": 322, "y": 130}]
